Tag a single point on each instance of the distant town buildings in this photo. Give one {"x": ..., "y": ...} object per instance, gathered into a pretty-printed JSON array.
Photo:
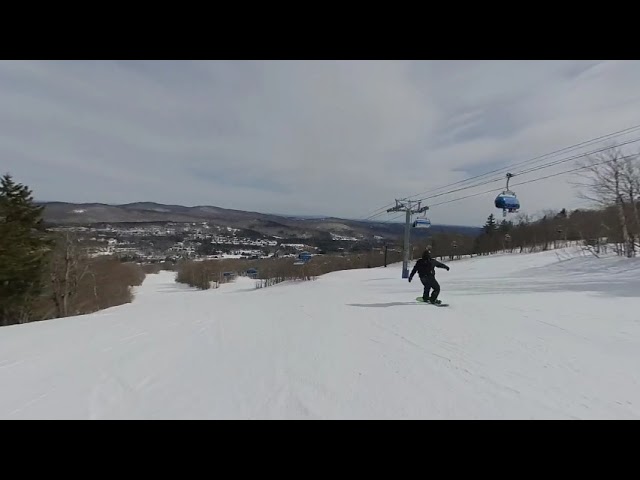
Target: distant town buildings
[{"x": 174, "y": 241}]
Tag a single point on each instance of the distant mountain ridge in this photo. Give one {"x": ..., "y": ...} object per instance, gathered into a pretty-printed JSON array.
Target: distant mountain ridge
[{"x": 63, "y": 213}]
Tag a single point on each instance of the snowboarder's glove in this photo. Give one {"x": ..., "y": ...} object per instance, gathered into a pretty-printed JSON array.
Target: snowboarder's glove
[
  {"x": 409, "y": 279},
  {"x": 447, "y": 268}
]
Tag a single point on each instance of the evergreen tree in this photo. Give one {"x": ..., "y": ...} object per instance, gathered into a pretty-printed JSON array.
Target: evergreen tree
[
  {"x": 491, "y": 226},
  {"x": 24, "y": 246}
]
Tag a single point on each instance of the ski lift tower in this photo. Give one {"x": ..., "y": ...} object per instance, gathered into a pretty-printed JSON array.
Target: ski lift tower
[{"x": 411, "y": 207}]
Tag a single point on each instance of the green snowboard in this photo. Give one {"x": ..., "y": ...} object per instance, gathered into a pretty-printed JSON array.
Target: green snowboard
[{"x": 420, "y": 300}]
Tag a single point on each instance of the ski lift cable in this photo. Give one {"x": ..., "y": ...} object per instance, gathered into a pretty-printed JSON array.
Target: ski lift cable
[
  {"x": 524, "y": 172},
  {"x": 528, "y": 181},
  {"x": 397, "y": 217},
  {"x": 557, "y": 162},
  {"x": 382, "y": 211},
  {"x": 541, "y": 167},
  {"x": 539, "y": 158}
]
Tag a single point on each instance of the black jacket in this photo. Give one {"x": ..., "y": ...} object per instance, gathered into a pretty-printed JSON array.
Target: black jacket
[{"x": 426, "y": 267}]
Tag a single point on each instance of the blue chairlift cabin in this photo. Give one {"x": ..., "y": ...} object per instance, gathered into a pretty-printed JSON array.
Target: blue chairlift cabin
[
  {"x": 422, "y": 223},
  {"x": 507, "y": 200}
]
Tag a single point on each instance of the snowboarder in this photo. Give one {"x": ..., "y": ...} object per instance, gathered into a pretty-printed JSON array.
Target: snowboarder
[{"x": 425, "y": 267}]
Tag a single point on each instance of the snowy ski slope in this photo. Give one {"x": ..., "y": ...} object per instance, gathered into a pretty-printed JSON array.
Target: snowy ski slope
[{"x": 531, "y": 336}]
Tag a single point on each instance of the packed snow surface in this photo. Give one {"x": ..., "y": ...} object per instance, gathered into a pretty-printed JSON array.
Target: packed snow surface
[{"x": 532, "y": 336}]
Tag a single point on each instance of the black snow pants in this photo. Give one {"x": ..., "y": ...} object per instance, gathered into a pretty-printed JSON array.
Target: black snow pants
[{"x": 430, "y": 282}]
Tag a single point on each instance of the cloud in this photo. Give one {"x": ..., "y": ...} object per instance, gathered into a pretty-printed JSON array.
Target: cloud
[{"x": 339, "y": 138}]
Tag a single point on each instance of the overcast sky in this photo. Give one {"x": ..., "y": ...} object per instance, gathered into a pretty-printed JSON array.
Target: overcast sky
[{"x": 340, "y": 138}]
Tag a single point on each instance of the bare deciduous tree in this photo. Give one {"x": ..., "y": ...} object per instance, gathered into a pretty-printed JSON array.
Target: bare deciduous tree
[
  {"x": 631, "y": 181},
  {"x": 68, "y": 268},
  {"x": 605, "y": 176}
]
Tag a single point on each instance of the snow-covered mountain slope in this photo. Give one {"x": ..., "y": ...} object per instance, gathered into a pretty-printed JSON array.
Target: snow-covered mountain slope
[{"x": 526, "y": 336}]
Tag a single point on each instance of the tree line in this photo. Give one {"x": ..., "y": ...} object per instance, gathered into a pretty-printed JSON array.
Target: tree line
[{"x": 46, "y": 274}]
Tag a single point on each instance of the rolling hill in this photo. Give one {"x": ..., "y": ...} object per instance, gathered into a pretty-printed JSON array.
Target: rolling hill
[{"x": 61, "y": 213}]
